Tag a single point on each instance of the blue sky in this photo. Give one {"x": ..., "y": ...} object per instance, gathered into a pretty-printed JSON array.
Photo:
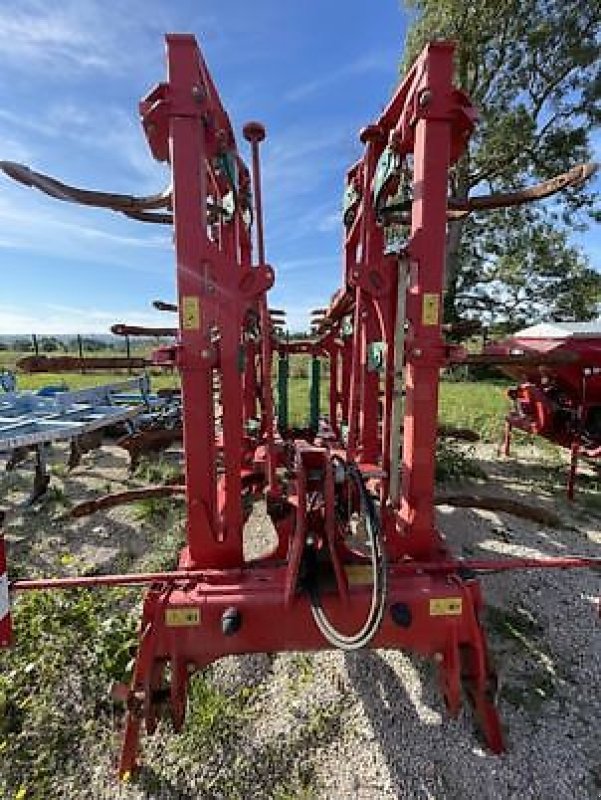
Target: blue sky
[{"x": 313, "y": 72}]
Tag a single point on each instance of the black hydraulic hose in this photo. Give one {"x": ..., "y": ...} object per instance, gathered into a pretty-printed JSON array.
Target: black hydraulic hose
[{"x": 365, "y": 634}]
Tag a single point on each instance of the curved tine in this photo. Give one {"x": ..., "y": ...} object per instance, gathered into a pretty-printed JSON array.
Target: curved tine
[
  {"x": 161, "y": 305},
  {"x": 63, "y": 191},
  {"x": 458, "y": 209},
  {"x": 146, "y": 216},
  {"x": 573, "y": 177}
]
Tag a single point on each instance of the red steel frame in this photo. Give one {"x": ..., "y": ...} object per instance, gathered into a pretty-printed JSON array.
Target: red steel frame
[
  {"x": 217, "y": 603},
  {"x": 183, "y": 623}
]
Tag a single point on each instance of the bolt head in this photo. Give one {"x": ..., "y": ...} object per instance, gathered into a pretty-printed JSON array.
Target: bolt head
[
  {"x": 198, "y": 93},
  {"x": 425, "y": 97}
]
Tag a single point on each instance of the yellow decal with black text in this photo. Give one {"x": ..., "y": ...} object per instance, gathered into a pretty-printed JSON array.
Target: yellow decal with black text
[
  {"x": 359, "y": 574},
  {"x": 446, "y": 607},
  {"x": 430, "y": 304},
  {"x": 191, "y": 313},
  {"x": 182, "y": 617}
]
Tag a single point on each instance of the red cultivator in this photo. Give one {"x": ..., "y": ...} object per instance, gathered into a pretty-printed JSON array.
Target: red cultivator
[
  {"x": 358, "y": 560},
  {"x": 559, "y": 391}
]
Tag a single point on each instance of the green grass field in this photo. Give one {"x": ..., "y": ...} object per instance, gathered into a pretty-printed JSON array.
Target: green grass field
[
  {"x": 75, "y": 380},
  {"x": 160, "y": 378},
  {"x": 479, "y": 405}
]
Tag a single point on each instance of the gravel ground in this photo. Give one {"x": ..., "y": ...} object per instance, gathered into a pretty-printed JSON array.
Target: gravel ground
[{"x": 371, "y": 725}]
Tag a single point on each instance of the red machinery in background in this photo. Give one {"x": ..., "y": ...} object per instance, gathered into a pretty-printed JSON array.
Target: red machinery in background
[
  {"x": 358, "y": 560},
  {"x": 558, "y": 366}
]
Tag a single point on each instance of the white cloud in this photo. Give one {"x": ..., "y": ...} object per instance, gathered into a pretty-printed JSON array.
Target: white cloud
[
  {"x": 59, "y": 319},
  {"x": 299, "y": 167},
  {"x": 39, "y": 225},
  {"x": 71, "y": 38},
  {"x": 296, "y": 159},
  {"x": 111, "y": 131},
  {"x": 322, "y": 218},
  {"x": 331, "y": 221},
  {"x": 68, "y": 232},
  {"x": 64, "y": 36},
  {"x": 290, "y": 265},
  {"x": 371, "y": 62},
  {"x": 15, "y": 150}
]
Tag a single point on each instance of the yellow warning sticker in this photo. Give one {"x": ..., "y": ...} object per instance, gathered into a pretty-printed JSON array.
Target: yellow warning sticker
[
  {"x": 182, "y": 617},
  {"x": 191, "y": 313},
  {"x": 359, "y": 574},
  {"x": 446, "y": 607},
  {"x": 430, "y": 304}
]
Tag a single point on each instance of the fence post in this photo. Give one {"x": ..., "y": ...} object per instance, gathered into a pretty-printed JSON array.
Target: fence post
[
  {"x": 314, "y": 393},
  {"x": 128, "y": 351},
  {"x": 80, "y": 348},
  {"x": 283, "y": 375}
]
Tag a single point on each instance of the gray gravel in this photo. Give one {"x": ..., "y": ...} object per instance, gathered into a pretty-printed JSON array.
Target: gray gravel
[{"x": 371, "y": 725}]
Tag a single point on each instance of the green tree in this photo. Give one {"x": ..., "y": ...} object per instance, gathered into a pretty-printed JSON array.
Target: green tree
[
  {"x": 533, "y": 71},
  {"x": 49, "y": 344},
  {"x": 23, "y": 345}
]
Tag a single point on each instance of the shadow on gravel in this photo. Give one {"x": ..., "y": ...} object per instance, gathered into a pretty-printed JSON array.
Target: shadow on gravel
[
  {"x": 474, "y": 534},
  {"x": 392, "y": 713},
  {"x": 546, "y": 481}
]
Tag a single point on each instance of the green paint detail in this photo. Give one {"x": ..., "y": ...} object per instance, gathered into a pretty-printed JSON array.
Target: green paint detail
[
  {"x": 226, "y": 163},
  {"x": 283, "y": 380},
  {"x": 228, "y": 206},
  {"x": 376, "y": 354},
  {"x": 387, "y": 168},
  {"x": 314, "y": 393},
  {"x": 346, "y": 327},
  {"x": 241, "y": 359},
  {"x": 349, "y": 203}
]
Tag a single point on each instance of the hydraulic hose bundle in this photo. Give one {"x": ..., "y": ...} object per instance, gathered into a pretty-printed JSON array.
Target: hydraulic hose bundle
[{"x": 375, "y": 546}]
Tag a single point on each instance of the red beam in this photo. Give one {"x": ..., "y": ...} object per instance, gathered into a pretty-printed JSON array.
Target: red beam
[
  {"x": 75, "y": 364},
  {"x": 140, "y": 330},
  {"x": 409, "y": 568}
]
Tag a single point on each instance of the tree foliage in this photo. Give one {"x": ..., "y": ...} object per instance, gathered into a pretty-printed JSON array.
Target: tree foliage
[{"x": 532, "y": 70}]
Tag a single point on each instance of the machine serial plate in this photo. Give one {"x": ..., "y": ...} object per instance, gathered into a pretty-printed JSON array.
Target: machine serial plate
[
  {"x": 359, "y": 574},
  {"x": 430, "y": 304},
  {"x": 190, "y": 313},
  {"x": 446, "y": 607},
  {"x": 182, "y": 617}
]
